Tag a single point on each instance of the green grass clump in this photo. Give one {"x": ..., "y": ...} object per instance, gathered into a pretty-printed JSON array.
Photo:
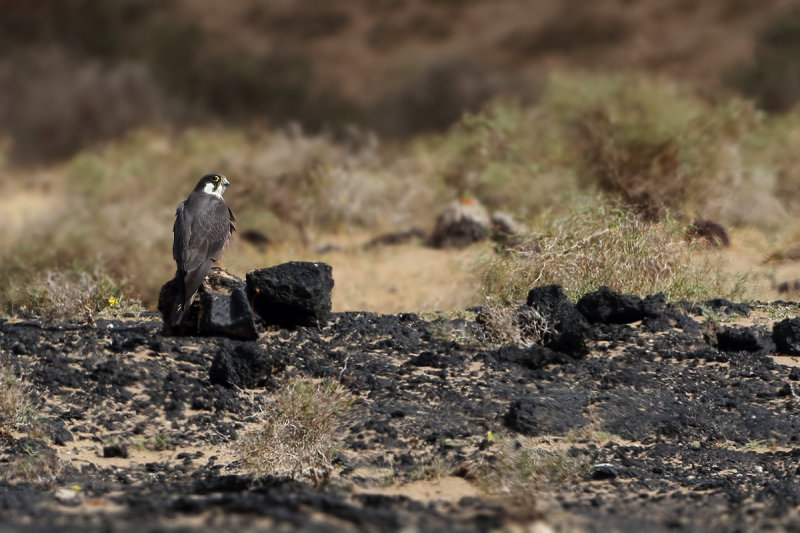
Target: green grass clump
[
  {"x": 598, "y": 245},
  {"x": 298, "y": 429}
]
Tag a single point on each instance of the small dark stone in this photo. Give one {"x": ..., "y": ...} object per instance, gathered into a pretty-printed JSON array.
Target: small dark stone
[
  {"x": 603, "y": 471},
  {"x": 786, "y": 335},
  {"x": 794, "y": 373},
  {"x": 555, "y": 414},
  {"x": 605, "y": 306},
  {"x": 461, "y": 223},
  {"x": 244, "y": 365},
  {"x": 532, "y": 357},
  {"x": 428, "y": 359},
  {"x": 727, "y": 307},
  {"x": 56, "y": 430},
  {"x": 115, "y": 450},
  {"x": 394, "y": 238},
  {"x": 292, "y": 294}
]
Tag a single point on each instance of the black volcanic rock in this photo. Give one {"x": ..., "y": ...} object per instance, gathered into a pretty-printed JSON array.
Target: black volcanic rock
[
  {"x": 567, "y": 328},
  {"x": 608, "y": 307},
  {"x": 228, "y": 315},
  {"x": 56, "y": 430},
  {"x": 461, "y": 223},
  {"x": 743, "y": 339},
  {"x": 292, "y": 294},
  {"x": 650, "y": 408},
  {"x": 557, "y": 413},
  {"x": 115, "y": 450},
  {"x": 786, "y": 335},
  {"x": 244, "y": 365},
  {"x": 220, "y": 308}
]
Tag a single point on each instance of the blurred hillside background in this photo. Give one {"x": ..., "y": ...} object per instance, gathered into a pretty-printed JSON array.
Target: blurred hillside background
[{"x": 336, "y": 121}]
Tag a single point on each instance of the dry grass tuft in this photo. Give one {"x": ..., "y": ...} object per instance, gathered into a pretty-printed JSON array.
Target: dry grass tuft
[
  {"x": 17, "y": 411},
  {"x": 603, "y": 245},
  {"x": 298, "y": 429},
  {"x": 519, "y": 325},
  {"x": 37, "y": 464},
  {"x": 654, "y": 144},
  {"x": 58, "y": 295},
  {"x": 519, "y": 468}
]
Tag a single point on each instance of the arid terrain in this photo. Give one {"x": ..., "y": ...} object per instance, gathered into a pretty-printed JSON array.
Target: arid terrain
[
  {"x": 656, "y": 417},
  {"x": 565, "y": 239}
]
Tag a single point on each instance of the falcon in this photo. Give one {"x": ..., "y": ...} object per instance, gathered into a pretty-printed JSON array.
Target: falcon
[{"x": 203, "y": 227}]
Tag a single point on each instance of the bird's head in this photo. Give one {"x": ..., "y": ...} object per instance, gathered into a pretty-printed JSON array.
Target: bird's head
[{"x": 213, "y": 184}]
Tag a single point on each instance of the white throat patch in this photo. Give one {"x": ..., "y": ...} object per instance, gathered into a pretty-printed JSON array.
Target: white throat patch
[{"x": 214, "y": 188}]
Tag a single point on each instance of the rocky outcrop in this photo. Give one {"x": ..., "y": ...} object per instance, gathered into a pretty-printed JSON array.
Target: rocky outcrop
[
  {"x": 566, "y": 328},
  {"x": 147, "y": 422},
  {"x": 288, "y": 295}
]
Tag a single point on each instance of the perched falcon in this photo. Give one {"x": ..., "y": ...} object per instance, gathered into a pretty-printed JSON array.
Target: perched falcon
[{"x": 203, "y": 226}]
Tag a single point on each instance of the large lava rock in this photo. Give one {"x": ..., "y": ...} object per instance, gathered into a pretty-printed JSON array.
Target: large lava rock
[
  {"x": 786, "y": 335},
  {"x": 292, "y": 294},
  {"x": 220, "y": 308},
  {"x": 567, "y": 329},
  {"x": 608, "y": 307},
  {"x": 743, "y": 339},
  {"x": 461, "y": 223}
]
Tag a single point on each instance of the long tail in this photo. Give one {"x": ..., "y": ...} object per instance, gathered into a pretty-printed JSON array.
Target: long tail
[
  {"x": 179, "y": 305},
  {"x": 191, "y": 282}
]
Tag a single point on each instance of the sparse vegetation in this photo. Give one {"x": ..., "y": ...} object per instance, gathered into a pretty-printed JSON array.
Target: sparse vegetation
[
  {"x": 71, "y": 295},
  {"x": 603, "y": 245},
  {"x": 298, "y": 429},
  {"x": 37, "y": 464},
  {"x": 17, "y": 410},
  {"x": 648, "y": 146},
  {"x": 520, "y": 467}
]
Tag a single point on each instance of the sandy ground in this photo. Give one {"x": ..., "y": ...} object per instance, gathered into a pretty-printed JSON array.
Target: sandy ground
[{"x": 409, "y": 277}]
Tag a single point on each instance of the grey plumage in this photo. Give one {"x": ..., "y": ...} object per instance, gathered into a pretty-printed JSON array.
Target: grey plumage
[{"x": 203, "y": 226}]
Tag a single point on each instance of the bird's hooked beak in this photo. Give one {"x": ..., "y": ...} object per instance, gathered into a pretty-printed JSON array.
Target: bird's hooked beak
[{"x": 225, "y": 182}]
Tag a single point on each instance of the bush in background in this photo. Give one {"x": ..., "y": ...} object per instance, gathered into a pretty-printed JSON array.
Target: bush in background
[{"x": 598, "y": 244}]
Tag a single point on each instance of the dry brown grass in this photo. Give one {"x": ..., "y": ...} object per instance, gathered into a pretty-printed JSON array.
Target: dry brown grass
[
  {"x": 517, "y": 469},
  {"x": 77, "y": 295},
  {"x": 298, "y": 430},
  {"x": 516, "y": 325},
  {"x": 602, "y": 245},
  {"x": 17, "y": 410},
  {"x": 111, "y": 208}
]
